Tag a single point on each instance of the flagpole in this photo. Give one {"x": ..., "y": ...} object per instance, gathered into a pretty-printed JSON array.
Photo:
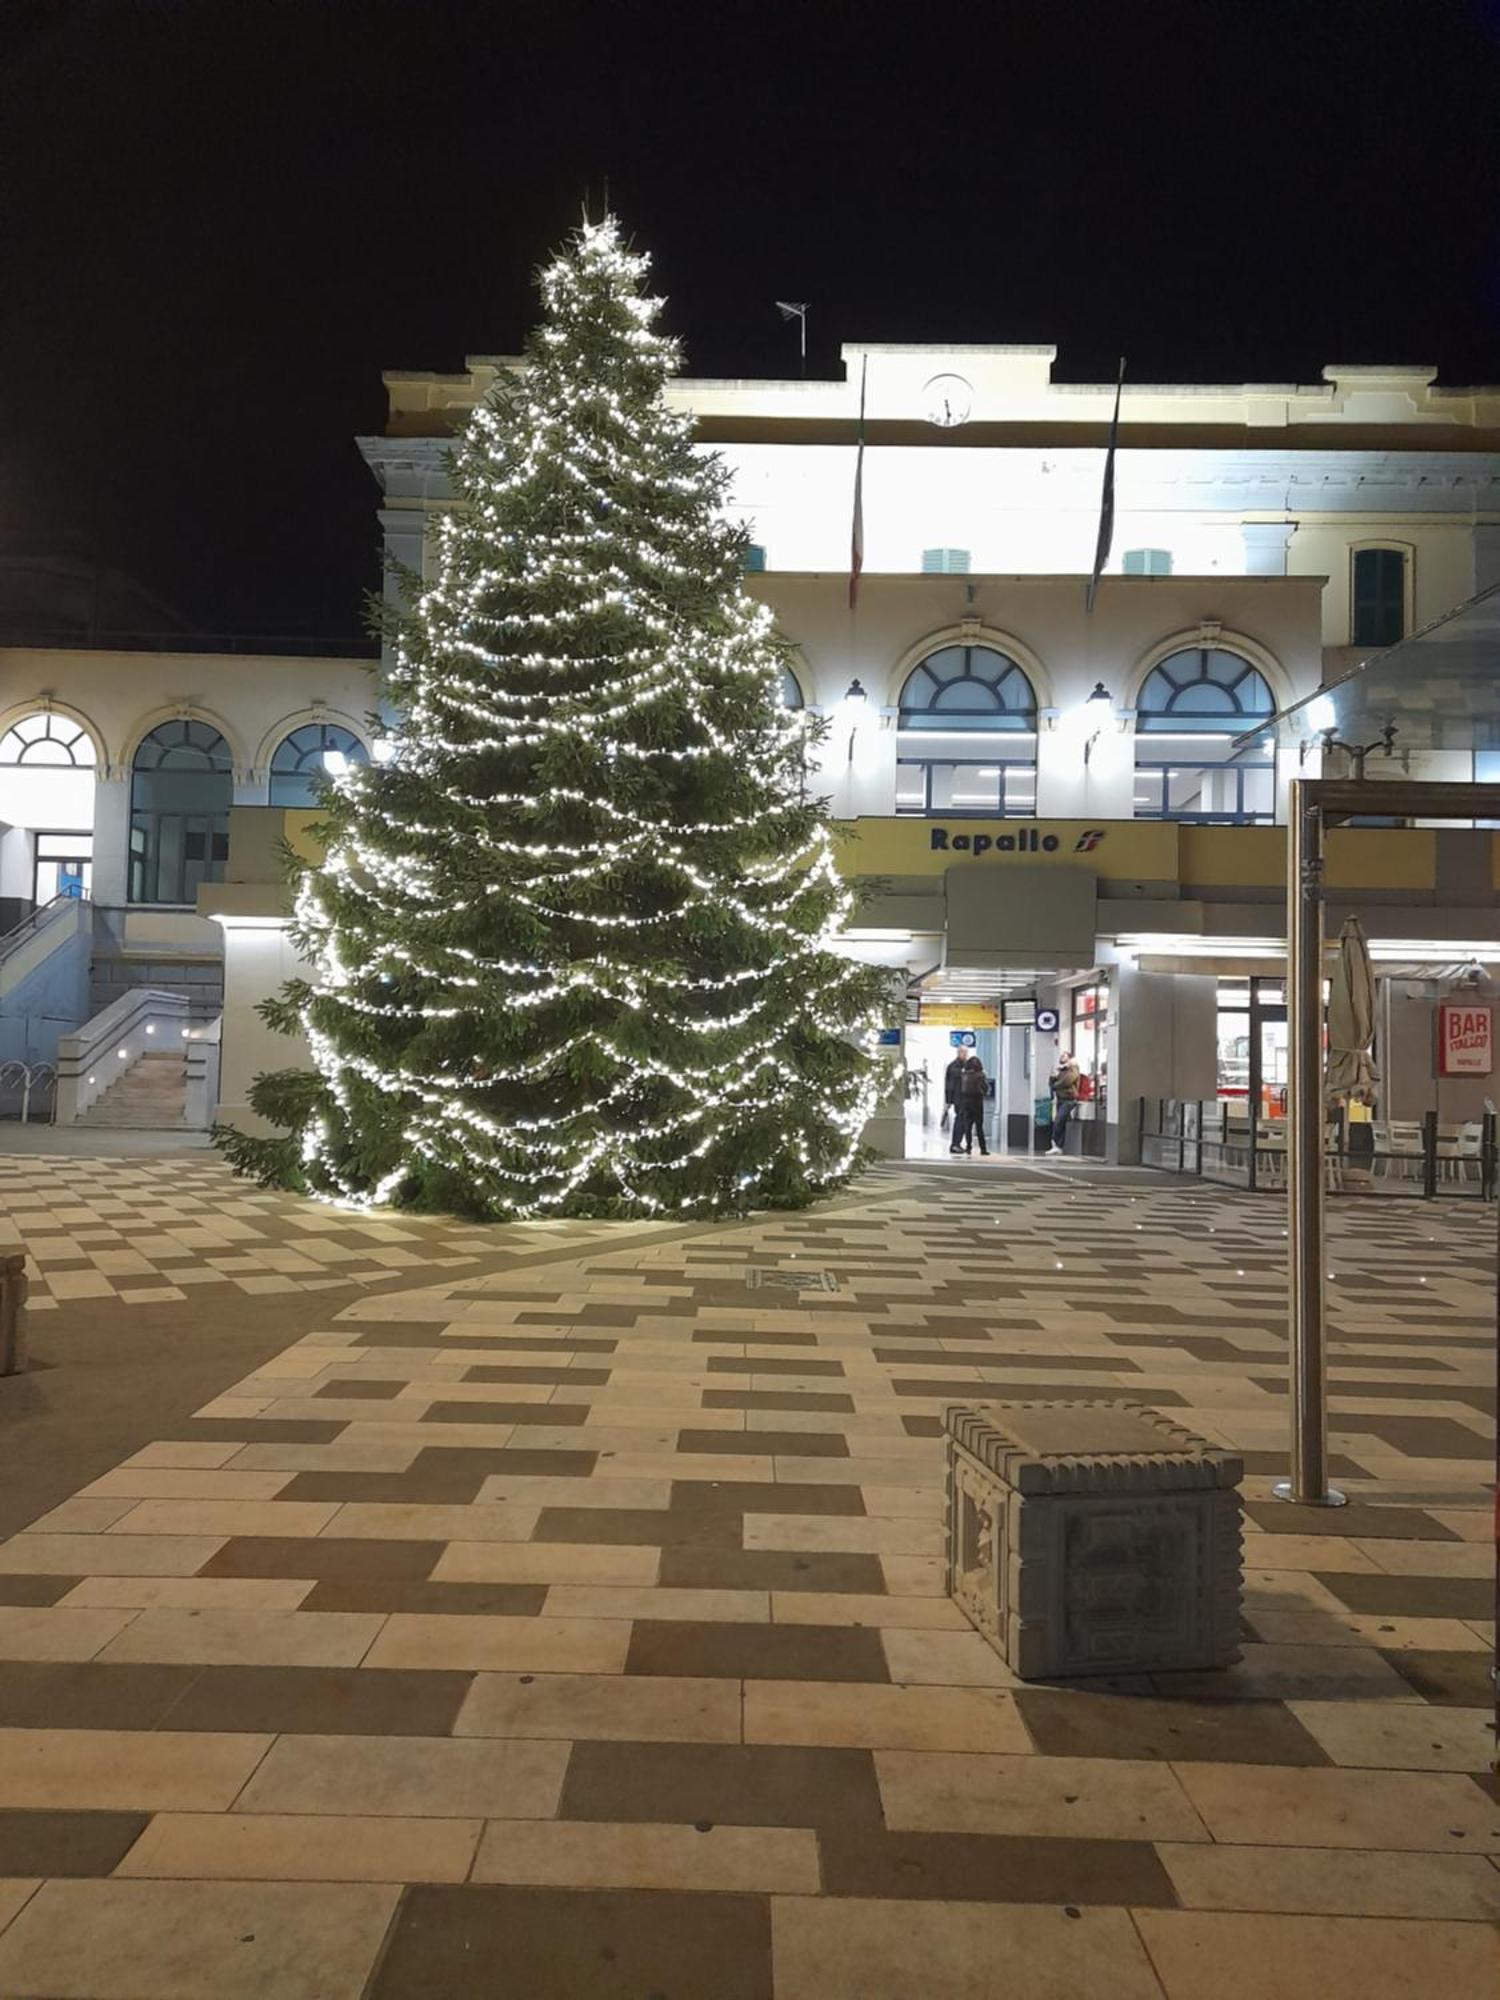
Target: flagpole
[{"x": 1106, "y": 499}]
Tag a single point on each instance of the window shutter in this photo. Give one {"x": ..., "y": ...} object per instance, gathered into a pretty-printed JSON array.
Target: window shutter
[{"x": 945, "y": 562}]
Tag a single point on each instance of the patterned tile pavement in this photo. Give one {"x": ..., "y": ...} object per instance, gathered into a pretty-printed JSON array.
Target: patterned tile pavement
[
  {"x": 578, "y": 1629},
  {"x": 147, "y": 1230}
]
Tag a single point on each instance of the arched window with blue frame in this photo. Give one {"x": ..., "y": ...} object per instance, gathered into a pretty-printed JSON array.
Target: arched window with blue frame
[
  {"x": 966, "y": 735},
  {"x": 1190, "y": 709},
  {"x": 791, "y": 690},
  {"x": 310, "y": 752},
  {"x": 181, "y": 784}
]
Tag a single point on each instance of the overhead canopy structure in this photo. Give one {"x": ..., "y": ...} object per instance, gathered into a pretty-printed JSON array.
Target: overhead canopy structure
[{"x": 1440, "y": 688}]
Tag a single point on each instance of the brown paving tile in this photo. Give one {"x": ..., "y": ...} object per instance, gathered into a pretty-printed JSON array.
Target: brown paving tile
[
  {"x": 734, "y": 1784},
  {"x": 554, "y": 1415},
  {"x": 775, "y": 1399},
  {"x": 578, "y": 1378},
  {"x": 1414, "y": 1596},
  {"x": 770, "y": 1569},
  {"x": 766, "y": 1444},
  {"x": 713, "y": 1337},
  {"x": 991, "y": 1868},
  {"x": 757, "y": 1652},
  {"x": 576, "y": 1944},
  {"x": 360, "y": 1387},
  {"x": 1460, "y": 1679},
  {"x": 66, "y": 1843},
  {"x": 324, "y": 1556},
  {"x": 725, "y": 1364},
  {"x": 1419, "y": 1437},
  {"x": 322, "y": 1701},
  {"x": 922, "y": 1427},
  {"x": 76, "y": 1694},
  {"x": 1079, "y": 1724},
  {"x": 1372, "y": 1523},
  {"x": 34, "y": 1589},
  {"x": 263, "y": 1430},
  {"x": 515, "y": 1600}
]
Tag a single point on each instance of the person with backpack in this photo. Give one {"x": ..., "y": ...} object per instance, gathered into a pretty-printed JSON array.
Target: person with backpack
[
  {"x": 1065, "y": 1083},
  {"x": 968, "y": 1126}
]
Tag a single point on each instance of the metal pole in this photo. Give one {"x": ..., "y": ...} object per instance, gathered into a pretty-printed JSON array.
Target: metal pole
[{"x": 1308, "y": 1484}]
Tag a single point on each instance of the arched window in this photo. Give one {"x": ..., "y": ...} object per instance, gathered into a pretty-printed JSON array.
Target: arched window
[
  {"x": 307, "y": 754},
  {"x": 47, "y": 786},
  {"x": 1189, "y": 711},
  {"x": 966, "y": 740},
  {"x": 181, "y": 783},
  {"x": 791, "y": 689}
]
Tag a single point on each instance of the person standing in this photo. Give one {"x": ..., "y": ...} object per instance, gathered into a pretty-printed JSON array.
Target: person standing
[
  {"x": 973, "y": 1088},
  {"x": 952, "y": 1077},
  {"x": 1064, "y": 1084}
]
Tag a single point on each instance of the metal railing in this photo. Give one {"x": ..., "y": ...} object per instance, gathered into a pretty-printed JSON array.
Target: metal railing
[
  {"x": 26, "y": 1083},
  {"x": 1420, "y": 1159},
  {"x": 40, "y": 917}
]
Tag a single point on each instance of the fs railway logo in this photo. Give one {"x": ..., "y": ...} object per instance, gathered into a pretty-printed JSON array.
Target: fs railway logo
[{"x": 1025, "y": 840}]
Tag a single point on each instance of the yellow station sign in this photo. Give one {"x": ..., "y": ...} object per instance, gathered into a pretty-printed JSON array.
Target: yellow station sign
[{"x": 935, "y": 1014}]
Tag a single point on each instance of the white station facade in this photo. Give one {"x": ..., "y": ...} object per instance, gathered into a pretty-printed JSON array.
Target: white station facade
[{"x": 1072, "y": 817}]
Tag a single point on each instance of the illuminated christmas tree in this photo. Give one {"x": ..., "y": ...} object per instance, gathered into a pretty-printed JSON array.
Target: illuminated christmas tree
[{"x": 571, "y": 941}]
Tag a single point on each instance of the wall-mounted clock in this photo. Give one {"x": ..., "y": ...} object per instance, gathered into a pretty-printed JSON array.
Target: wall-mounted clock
[{"x": 947, "y": 401}]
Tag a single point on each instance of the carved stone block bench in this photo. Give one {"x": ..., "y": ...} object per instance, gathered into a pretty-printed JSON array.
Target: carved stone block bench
[{"x": 1092, "y": 1538}]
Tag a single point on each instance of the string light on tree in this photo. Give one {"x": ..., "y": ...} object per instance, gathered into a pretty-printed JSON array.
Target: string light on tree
[{"x": 571, "y": 945}]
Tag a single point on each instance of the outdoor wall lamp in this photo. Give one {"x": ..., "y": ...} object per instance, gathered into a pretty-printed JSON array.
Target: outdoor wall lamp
[{"x": 851, "y": 708}]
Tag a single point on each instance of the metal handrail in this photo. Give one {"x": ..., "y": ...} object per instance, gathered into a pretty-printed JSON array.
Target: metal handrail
[
  {"x": 12, "y": 939},
  {"x": 29, "y": 1075}
]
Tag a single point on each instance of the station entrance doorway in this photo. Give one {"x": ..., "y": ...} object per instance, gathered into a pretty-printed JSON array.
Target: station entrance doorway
[{"x": 1015, "y": 1040}]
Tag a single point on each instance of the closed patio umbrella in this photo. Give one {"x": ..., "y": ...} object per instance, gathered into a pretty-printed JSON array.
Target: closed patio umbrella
[{"x": 1351, "y": 1015}]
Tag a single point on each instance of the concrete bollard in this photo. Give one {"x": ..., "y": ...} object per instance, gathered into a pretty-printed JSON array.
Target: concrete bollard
[{"x": 13, "y": 1286}]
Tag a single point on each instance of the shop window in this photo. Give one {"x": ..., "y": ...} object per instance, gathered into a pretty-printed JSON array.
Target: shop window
[
  {"x": 1377, "y": 597},
  {"x": 181, "y": 783},
  {"x": 1188, "y": 713},
  {"x": 308, "y": 754},
  {"x": 1253, "y": 1045},
  {"x": 966, "y": 735},
  {"x": 945, "y": 562},
  {"x": 1147, "y": 562}
]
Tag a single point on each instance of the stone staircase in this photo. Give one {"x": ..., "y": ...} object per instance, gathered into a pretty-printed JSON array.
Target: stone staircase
[{"x": 152, "y": 1094}]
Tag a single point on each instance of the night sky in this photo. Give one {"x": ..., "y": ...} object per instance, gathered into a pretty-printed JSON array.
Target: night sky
[{"x": 221, "y": 219}]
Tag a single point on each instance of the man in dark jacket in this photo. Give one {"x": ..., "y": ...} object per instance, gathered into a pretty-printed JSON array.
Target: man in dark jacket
[
  {"x": 972, "y": 1091},
  {"x": 952, "y": 1077}
]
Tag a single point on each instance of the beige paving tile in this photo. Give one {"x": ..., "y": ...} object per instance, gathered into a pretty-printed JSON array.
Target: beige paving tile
[
  {"x": 125, "y": 1769},
  {"x": 595, "y": 1707},
  {"x": 1387, "y": 1735},
  {"x": 944, "y": 1659},
  {"x": 188, "y": 1593},
  {"x": 525, "y": 1645},
  {"x": 1238, "y": 1957},
  {"x": 1430, "y": 1558},
  {"x": 303, "y": 1847},
  {"x": 248, "y": 1638},
  {"x": 599, "y": 1855},
  {"x": 547, "y": 1562},
  {"x": 1289, "y": 1673},
  {"x": 169, "y": 1483},
  {"x": 852, "y": 1948},
  {"x": 724, "y": 1607},
  {"x": 1087, "y": 1798},
  {"x": 15, "y": 1893},
  {"x": 820, "y": 1607},
  {"x": 347, "y": 1453},
  {"x": 847, "y": 1533},
  {"x": 189, "y": 1940},
  {"x": 915, "y": 1576},
  {"x": 421, "y": 1776},
  {"x": 184, "y": 1454},
  {"x": 1332, "y": 1808},
  {"x": 865, "y": 1716},
  {"x": 398, "y": 1521},
  {"x": 106, "y": 1555},
  {"x": 1471, "y": 1524},
  {"x": 47, "y": 1632},
  {"x": 1334, "y": 1881},
  {"x": 83, "y": 1515},
  {"x": 230, "y": 1517},
  {"x": 1352, "y": 1628}
]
